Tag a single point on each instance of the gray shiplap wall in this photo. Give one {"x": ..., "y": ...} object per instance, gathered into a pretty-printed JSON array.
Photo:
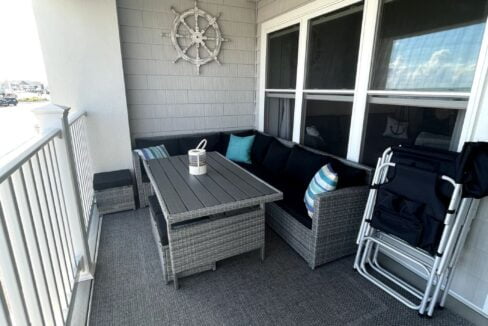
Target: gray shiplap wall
[{"x": 170, "y": 98}]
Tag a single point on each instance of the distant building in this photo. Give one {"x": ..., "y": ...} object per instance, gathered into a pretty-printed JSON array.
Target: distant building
[{"x": 23, "y": 86}]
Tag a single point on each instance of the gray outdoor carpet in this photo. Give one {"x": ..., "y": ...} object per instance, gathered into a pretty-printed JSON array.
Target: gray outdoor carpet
[{"x": 129, "y": 289}]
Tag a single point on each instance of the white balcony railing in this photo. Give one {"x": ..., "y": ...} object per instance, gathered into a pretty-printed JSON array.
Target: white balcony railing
[
  {"x": 82, "y": 159},
  {"x": 45, "y": 204}
]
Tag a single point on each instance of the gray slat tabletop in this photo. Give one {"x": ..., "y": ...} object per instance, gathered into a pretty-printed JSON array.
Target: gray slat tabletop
[{"x": 226, "y": 186}]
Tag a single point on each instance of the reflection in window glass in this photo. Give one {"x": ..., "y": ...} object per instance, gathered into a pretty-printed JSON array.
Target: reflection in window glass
[
  {"x": 333, "y": 50},
  {"x": 278, "y": 117},
  {"x": 429, "y": 45},
  {"x": 390, "y": 125},
  {"x": 282, "y": 58},
  {"x": 327, "y": 126}
]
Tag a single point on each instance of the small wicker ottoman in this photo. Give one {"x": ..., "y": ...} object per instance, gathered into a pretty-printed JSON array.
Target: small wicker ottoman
[{"x": 114, "y": 191}]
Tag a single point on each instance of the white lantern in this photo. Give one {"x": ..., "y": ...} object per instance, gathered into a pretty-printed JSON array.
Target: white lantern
[{"x": 197, "y": 159}]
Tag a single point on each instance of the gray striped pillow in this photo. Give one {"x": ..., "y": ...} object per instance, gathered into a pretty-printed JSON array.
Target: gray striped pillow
[{"x": 150, "y": 153}]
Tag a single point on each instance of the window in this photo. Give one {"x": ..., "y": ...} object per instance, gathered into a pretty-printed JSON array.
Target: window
[
  {"x": 429, "y": 45},
  {"x": 280, "y": 79},
  {"x": 282, "y": 59},
  {"x": 279, "y": 116},
  {"x": 330, "y": 77},
  {"x": 352, "y": 83},
  {"x": 422, "y": 47},
  {"x": 390, "y": 125},
  {"x": 327, "y": 125},
  {"x": 333, "y": 50}
]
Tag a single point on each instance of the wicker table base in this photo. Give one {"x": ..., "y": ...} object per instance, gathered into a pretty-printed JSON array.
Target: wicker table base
[{"x": 165, "y": 258}]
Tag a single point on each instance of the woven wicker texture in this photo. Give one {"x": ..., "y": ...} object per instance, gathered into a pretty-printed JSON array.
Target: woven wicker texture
[{"x": 115, "y": 199}]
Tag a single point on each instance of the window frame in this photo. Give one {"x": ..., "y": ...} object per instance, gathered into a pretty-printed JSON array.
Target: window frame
[{"x": 361, "y": 93}]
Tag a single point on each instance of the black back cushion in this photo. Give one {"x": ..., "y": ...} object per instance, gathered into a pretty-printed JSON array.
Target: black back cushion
[
  {"x": 190, "y": 142},
  {"x": 260, "y": 148},
  {"x": 349, "y": 176},
  {"x": 276, "y": 157},
  {"x": 303, "y": 164}
]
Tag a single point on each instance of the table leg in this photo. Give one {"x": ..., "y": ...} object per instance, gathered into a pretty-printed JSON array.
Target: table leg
[
  {"x": 261, "y": 251},
  {"x": 175, "y": 281}
]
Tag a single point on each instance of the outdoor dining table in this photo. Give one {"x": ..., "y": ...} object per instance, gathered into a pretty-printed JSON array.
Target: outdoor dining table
[{"x": 213, "y": 216}]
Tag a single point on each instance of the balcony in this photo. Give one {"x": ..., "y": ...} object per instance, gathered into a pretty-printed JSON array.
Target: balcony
[{"x": 115, "y": 88}]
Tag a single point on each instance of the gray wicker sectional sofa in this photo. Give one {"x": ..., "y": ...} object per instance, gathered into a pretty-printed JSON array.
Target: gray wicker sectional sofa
[{"x": 330, "y": 234}]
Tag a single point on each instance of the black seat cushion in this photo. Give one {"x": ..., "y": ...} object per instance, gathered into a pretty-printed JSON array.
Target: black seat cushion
[
  {"x": 190, "y": 142},
  {"x": 259, "y": 172},
  {"x": 292, "y": 202},
  {"x": 297, "y": 210},
  {"x": 293, "y": 193},
  {"x": 225, "y": 136},
  {"x": 159, "y": 217},
  {"x": 260, "y": 148},
  {"x": 113, "y": 179},
  {"x": 276, "y": 157},
  {"x": 303, "y": 164}
]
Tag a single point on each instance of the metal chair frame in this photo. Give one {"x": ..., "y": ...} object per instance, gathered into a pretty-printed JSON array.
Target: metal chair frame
[{"x": 438, "y": 268}]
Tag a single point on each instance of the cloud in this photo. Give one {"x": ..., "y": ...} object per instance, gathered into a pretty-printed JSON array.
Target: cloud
[{"x": 439, "y": 71}]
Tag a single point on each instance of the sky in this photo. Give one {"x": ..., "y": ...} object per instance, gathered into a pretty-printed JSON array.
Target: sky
[
  {"x": 442, "y": 60},
  {"x": 20, "y": 54}
]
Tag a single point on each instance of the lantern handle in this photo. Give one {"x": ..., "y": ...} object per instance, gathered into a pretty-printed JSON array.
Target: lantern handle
[{"x": 202, "y": 143}]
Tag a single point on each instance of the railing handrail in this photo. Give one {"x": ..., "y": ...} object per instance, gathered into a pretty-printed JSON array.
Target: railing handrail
[
  {"x": 72, "y": 117},
  {"x": 13, "y": 164}
]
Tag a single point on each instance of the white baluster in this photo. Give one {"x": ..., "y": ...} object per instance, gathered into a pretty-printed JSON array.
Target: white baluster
[
  {"x": 10, "y": 275},
  {"x": 54, "y": 116}
]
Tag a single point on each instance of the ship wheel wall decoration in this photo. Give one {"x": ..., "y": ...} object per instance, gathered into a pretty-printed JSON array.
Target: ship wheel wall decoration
[{"x": 194, "y": 43}]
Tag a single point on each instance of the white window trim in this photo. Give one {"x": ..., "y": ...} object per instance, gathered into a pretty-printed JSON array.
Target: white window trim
[
  {"x": 300, "y": 16},
  {"x": 371, "y": 13}
]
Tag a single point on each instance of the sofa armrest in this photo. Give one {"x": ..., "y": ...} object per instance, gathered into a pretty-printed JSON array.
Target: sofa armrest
[
  {"x": 136, "y": 162},
  {"x": 340, "y": 208},
  {"x": 336, "y": 222}
]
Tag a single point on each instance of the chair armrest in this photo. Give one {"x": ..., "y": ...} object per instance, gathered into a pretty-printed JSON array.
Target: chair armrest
[{"x": 343, "y": 206}]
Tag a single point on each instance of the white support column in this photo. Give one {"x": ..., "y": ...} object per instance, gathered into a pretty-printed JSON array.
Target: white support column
[
  {"x": 365, "y": 59},
  {"x": 300, "y": 82},
  {"x": 54, "y": 116}
]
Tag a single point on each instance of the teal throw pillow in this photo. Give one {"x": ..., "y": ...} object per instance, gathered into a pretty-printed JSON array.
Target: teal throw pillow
[{"x": 239, "y": 149}]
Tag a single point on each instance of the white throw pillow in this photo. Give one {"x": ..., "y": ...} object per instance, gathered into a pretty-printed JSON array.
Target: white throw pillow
[{"x": 396, "y": 129}]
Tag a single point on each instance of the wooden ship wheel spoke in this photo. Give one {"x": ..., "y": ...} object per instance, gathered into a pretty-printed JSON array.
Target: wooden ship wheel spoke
[{"x": 197, "y": 36}]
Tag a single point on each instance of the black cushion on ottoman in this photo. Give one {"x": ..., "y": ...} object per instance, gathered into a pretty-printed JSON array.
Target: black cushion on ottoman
[
  {"x": 113, "y": 179},
  {"x": 159, "y": 217}
]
